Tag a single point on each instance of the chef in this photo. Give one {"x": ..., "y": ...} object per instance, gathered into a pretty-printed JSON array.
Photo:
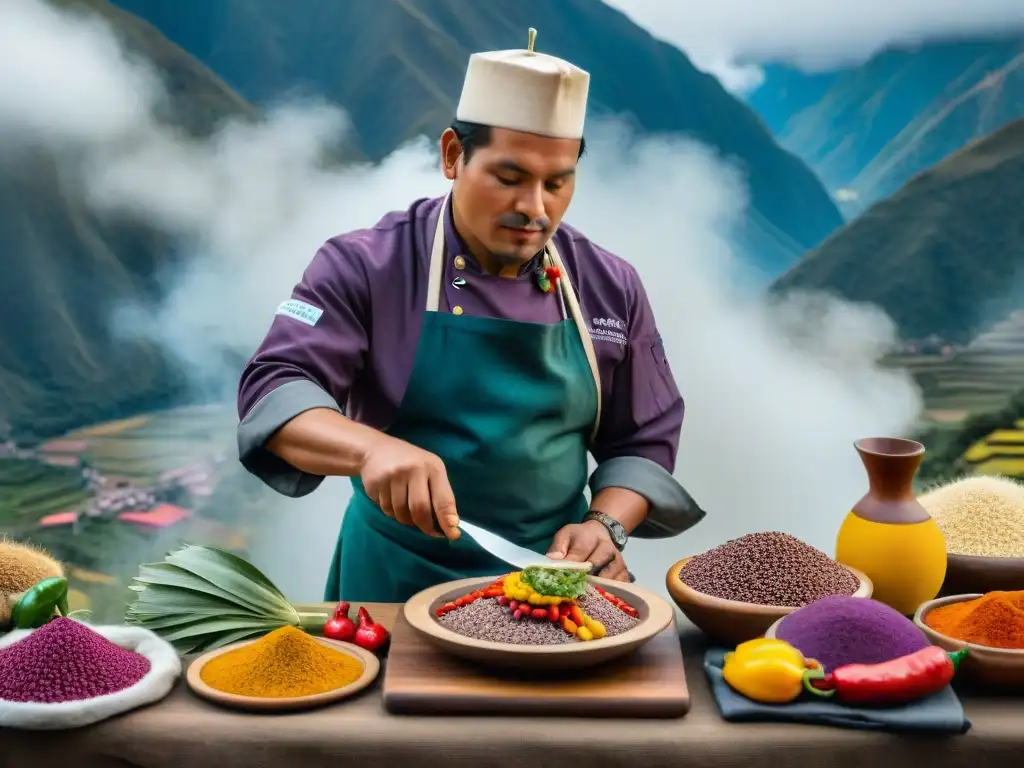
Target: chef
[{"x": 462, "y": 357}]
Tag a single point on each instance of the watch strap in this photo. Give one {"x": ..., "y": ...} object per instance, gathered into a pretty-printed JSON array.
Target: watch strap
[{"x": 615, "y": 528}]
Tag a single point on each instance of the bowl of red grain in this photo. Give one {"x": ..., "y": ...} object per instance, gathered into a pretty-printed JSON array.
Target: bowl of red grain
[
  {"x": 990, "y": 625},
  {"x": 736, "y": 591},
  {"x": 485, "y": 631}
]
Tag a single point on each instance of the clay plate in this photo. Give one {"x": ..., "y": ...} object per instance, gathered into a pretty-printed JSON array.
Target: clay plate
[
  {"x": 733, "y": 621},
  {"x": 968, "y": 574},
  {"x": 996, "y": 667},
  {"x": 371, "y": 667},
  {"x": 655, "y": 615}
]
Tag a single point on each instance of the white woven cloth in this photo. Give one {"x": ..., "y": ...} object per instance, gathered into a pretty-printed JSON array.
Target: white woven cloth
[{"x": 164, "y": 670}]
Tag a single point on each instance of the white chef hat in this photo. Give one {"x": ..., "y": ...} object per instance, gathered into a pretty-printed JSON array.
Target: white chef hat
[{"x": 523, "y": 90}]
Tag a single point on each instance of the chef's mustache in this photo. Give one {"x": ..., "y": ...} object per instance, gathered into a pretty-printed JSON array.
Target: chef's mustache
[{"x": 522, "y": 221}]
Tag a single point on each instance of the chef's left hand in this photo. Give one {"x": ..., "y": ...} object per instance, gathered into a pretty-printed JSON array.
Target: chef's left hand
[{"x": 590, "y": 542}]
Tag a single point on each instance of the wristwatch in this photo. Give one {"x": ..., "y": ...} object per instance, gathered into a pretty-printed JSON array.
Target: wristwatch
[{"x": 618, "y": 533}]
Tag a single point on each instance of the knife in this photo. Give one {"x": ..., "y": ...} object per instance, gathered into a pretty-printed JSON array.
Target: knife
[
  {"x": 513, "y": 554},
  {"x": 516, "y": 556}
]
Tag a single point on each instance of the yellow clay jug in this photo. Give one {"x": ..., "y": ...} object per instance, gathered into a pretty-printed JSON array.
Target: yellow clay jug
[{"x": 888, "y": 534}]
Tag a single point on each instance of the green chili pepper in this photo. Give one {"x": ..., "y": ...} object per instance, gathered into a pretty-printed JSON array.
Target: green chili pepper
[{"x": 37, "y": 605}]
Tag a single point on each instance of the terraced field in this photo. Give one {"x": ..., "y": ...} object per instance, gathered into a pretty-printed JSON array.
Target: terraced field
[
  {"x": 142, "y": 447},
  {"x": 102, "y": 555},
  {"x": 31, "y": 489},
  {"x": 978, "y": 378}
]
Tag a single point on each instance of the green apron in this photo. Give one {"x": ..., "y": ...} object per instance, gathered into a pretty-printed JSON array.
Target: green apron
[{"x": 510, "y": 408}]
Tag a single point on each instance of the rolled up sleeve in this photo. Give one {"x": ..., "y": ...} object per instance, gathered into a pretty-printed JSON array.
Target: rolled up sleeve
[
  {"x": 637, "y": 442},
  {"x": 314, "y": 349}
]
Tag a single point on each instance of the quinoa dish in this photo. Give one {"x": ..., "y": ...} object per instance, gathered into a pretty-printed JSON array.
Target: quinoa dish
[
  {"x": 770, "y": 568},
  {"x": 539, "y": 606}
]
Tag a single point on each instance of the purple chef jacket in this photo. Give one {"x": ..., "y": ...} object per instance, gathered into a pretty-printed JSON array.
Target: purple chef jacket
[{"x": 347, "y": 340}]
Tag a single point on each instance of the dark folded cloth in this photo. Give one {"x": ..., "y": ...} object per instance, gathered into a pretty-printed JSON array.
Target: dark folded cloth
[{"x": 941, "y": 713}]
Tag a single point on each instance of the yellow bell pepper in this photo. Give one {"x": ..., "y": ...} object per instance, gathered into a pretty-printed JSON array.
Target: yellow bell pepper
[{"x": 767, "y": 670}]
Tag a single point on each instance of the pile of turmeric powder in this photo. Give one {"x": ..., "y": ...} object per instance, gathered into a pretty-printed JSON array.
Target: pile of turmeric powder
[
  {"x": 284, "y": 664},
  {"x": 995, "y": 620}
]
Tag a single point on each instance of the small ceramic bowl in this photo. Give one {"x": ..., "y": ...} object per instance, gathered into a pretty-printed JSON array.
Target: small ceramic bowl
[
  {"x": 655, "y": 615},
  {"x": 996, "y": 667},
  {"x": 733, "y": 621},
  {"x": 369, "y": 663},
  {"x": 967, "y": 574}
]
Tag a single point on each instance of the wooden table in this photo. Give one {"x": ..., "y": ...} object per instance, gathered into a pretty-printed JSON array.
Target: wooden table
[{"x": 185, "y": 732}]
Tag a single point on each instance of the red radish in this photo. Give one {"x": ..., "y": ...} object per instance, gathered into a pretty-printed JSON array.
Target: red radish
[
  {"x": 370, "y": 635},
  {"x": 340, "y": 627}
]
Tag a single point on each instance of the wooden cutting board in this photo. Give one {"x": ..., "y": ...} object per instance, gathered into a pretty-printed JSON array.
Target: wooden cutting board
[{"x": 420, "y": 679}]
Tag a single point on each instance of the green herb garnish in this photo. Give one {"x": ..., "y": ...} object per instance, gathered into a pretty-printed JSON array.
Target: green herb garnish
[{"x": 556, "y": 582}]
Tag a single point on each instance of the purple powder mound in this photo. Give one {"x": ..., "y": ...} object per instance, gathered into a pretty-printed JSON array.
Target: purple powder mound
[
  {"x": 842, "y": 630},
  {"x": 66, "y": 661}
]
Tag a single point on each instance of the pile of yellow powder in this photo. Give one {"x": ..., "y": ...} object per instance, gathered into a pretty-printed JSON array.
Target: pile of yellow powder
[{"x": 981, "y": 516}]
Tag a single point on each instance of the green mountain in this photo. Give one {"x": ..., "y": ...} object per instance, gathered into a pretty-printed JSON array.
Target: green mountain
[
  {"x": 868, "y": 130},
  {"x": 941, "y": 256},
  {"x": 396, "y": 66},
  {"x": 64, "y": 268}
]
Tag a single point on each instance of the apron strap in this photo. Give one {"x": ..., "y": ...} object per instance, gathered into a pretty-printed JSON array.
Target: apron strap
[
  {"x": 581, "y": 325},
  {"x": 436, "y": 272}
]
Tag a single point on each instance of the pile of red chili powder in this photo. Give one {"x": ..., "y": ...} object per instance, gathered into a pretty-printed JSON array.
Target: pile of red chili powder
[{"x": 66, "y": 661}]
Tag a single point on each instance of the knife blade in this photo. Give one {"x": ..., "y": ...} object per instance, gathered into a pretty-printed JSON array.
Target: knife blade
[{"x": 513, "y": 554}]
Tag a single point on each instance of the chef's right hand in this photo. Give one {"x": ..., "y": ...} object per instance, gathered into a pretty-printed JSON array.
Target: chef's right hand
[{"x": 411, "y": 486}]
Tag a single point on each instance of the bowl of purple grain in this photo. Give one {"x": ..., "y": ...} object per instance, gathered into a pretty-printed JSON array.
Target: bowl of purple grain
[
  {"x": 535, "y": 620},
  {"x": 736, "y": 591}
]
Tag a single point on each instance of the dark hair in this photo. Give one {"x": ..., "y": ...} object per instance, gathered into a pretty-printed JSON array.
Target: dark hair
[{"x": 473, "y": 136}]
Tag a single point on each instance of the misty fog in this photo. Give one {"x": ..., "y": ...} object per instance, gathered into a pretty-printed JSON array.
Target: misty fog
[{"x": 774, "y": 395}]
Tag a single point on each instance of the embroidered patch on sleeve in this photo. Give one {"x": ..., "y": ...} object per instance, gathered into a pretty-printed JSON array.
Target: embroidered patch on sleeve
[{"x": 301, "y": 311}]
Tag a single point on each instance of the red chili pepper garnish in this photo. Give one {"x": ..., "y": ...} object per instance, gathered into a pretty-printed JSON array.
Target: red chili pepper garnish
[
  {"x": 619, "y": 603},
  {"x": 446, "y": 608},
  {"x": 907, "y": 678}
]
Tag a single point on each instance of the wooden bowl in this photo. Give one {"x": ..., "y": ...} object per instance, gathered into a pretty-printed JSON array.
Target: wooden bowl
[
  {"x": 371, "y": 667},
  {"x": 732, "y": 621},
  {"x": 655, "y": 615},
  {"x": 967, "y": 574},
  {"x": 996, "y": 667}
]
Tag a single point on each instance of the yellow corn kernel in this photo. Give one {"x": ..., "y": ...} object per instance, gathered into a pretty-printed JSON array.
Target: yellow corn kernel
[
  {"x": 584, "y": 634},
  {"x": 522, "y": 595},
  {"x": 596, "y": 628}
]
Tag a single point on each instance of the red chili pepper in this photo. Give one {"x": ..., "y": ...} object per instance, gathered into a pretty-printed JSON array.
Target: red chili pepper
[
  {"x": 370, "y": 635},
  {"x": 446, "y": 608},
  {"x": 340, "y": 626},
  {"x": 907, "y": 678}
]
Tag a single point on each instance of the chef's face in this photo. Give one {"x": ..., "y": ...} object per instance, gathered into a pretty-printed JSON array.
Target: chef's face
[{"x": 511, "y": 194}]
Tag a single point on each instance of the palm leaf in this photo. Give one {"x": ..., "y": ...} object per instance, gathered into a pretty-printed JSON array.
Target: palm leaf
[
  {"x": 200, "y": 598},
  {"x": 208, "y": 564}
]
